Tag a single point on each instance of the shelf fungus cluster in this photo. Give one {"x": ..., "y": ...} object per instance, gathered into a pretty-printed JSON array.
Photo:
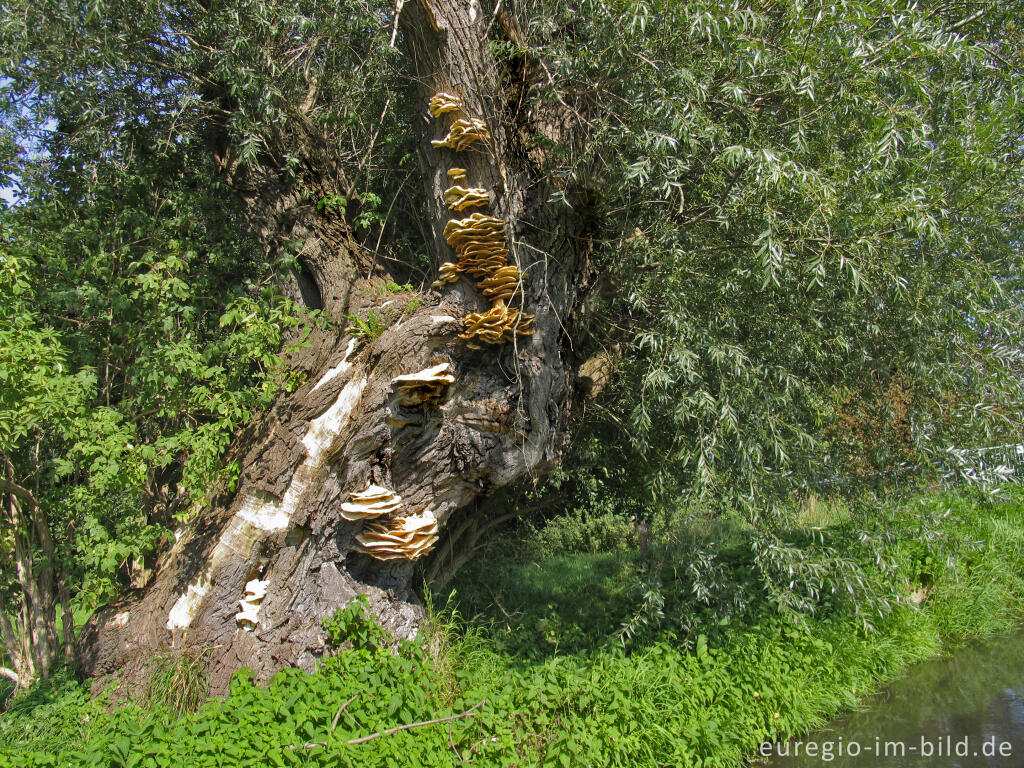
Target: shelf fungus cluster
[
  {"x": 442, "y": 103},
  {"x": 503, "y": 284},
  {"x": 479, "y": 242},
  {"x": 401, "y": 538},
  {"x": 248, "y": 616},
  {"x": 463, "y": 132},
  {"x": 389, "y": 534},
  {"x": 460, "y": 198},
  {"x": 448, "y": 273},
  {"x": 498, "y": 325},
  {"x": 370, "y": 504},
  {"x": 426, "y": 387}
]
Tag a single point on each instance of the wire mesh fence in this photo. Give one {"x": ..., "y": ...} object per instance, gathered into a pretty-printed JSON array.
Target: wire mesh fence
[{"x": 988, "y": 468}]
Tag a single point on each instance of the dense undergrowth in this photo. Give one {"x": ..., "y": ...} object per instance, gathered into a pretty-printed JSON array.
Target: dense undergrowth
[{"x": 566, "y": 671}]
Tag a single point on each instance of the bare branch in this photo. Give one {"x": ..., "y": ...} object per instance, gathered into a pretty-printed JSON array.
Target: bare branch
[
  {"x": 337, "y": 715},
  {"x": 471, "y": 712},
  {"x": 968, "y": 20},
  {"x": 6, "y": 486}
]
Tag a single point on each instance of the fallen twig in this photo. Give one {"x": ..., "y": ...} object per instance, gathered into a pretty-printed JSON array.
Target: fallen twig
[
  {"x": 471, "y": 712},
  {"x": 468, "y": 713},
  {"x": 337, "y": 715}
]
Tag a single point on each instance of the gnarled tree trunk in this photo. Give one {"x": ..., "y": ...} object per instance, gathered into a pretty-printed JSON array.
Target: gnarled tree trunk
[{"x": 345, "y": 429}]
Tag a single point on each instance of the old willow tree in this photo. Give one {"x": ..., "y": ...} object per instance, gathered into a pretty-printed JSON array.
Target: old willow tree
[{"x": 749, "y": 238}]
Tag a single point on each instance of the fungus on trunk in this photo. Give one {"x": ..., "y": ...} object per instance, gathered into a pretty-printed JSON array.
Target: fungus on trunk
[
  {"x": 426, "y": 387},
  {"x": 448, "y": 273},
  {"x": 248, "y": 616},
  {"x": 459, "y": 198},
  {"x": 369, "y": 504},
  {"x": 498, "y": 325},
  {"x": 402, "y": 538},
  {"x": 463, "y": 132},
  {"x": 503, "y": 284},
  {"x": 441, "y": 103},
  {"x": 479, "y": 243}
]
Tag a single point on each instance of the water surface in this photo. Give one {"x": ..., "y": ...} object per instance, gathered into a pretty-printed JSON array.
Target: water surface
[{"x": 966, "y": 711}]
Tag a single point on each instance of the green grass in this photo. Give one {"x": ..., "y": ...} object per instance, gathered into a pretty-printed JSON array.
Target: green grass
[{"x": 542, "y": 651}]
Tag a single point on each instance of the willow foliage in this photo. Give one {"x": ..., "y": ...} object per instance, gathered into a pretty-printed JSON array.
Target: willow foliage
[{"x": 812, "y": 220}]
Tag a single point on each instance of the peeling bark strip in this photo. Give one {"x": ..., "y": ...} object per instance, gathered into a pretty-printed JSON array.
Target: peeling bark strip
[{"x": 415, "y": 425}]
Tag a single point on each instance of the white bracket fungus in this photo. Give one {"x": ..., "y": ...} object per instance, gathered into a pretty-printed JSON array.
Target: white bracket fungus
[
  {"x": 369, "y": 504},
  {"x": 426, "y": 386},
  {"x": 403, "y": 538},
  {"x": 255, "y": 591}
]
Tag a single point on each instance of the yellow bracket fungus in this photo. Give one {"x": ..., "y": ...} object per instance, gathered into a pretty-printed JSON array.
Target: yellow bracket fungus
[
  {"x": 442, "y": 102},
  {"x": 503, "y": 284},
  {"x": 464, "y": 132},
  {"x": 426, "y": 386},
  {"x": 498, "y": 325},
  {"x": 459, "y": 198},
  {"x": 457, "y": 174},
  {"x": 405, "y": 538},
  {"x": 449, "y": 273},
  {"x": 476, "y": 227},
  {"x": 369, "y": 504},
  {"x": 479, "y": 243},
  {"x": 482, "y": 265}
]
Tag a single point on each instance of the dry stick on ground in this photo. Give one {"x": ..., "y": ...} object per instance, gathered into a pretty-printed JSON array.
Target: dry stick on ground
[
  {"x": 337, "y": 715},
  {"x": 468, "y": 713},
  {"x": 451, "y": 741},
  {"x": 471, "y": 712}
]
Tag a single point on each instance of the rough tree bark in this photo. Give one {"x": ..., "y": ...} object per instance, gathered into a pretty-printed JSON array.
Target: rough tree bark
[{"x": 343, "y": 429}]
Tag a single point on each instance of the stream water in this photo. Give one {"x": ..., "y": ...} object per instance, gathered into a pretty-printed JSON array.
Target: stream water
[{"x": 966, "y": 711}]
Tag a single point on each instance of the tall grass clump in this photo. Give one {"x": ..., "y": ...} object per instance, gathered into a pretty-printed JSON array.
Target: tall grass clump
[{"x": 178, "y": 680}]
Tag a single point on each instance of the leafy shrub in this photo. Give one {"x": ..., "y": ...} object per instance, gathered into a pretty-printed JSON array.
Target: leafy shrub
[
  {"x": 579, "y": 531},
  {"x": 556, "y": 689}
]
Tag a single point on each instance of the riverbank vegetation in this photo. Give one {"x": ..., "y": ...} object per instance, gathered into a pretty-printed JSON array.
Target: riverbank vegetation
[
  {"x": 554, "y": 665},
  {"x": 792, "y": 302}
]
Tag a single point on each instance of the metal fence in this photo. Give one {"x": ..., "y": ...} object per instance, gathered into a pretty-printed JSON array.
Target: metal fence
[{"x": 989, "y": 468}]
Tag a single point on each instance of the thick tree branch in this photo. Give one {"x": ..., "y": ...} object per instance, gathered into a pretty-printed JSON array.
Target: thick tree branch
[{"x": 6, "y": 486}]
